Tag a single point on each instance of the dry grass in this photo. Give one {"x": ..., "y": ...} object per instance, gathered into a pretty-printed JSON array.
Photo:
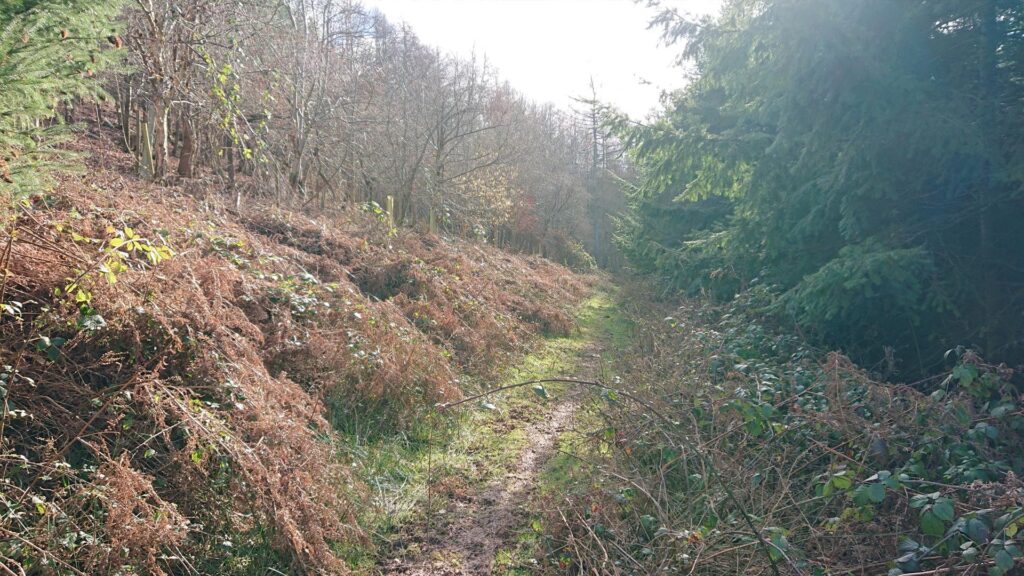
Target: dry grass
[{"x": 196, "y": 429}]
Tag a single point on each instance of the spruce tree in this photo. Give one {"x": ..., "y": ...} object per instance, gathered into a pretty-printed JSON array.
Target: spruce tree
[
  {"x": 51, "y": 52},
  {"x": 861, "y": 158}
]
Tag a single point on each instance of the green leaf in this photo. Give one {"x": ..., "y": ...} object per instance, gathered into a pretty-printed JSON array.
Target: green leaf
[
  {"x": 1011, "y": 529},
  {"x": 860, "y": 495},
  {"x": 1003, "y": 560},
  {"x": 944, "y": 509},
  {"x": 649, "y": 523},
  {"x": 841, "y": 481},
  {"x": 919, "y": 501},
  {"x": 1001, "y": 410},
  {"x": 540, "y": 391},
  {"x": 931, "y": 524},
  {"x": 909, "y": 545},
  {"x": 965, "y": 373},
  {"x": 977, "y": 531},
  {"x": 971, "y": 554},
  {"x": 876, "y": 492},
  {"x": 40, "y": 504}
]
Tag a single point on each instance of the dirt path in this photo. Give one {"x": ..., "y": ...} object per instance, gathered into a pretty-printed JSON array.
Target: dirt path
[{"x": 485, "y": 522}]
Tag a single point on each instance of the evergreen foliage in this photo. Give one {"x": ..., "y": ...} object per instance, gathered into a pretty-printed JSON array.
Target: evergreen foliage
[
  {"x": 50, "y": 54},
  {"x": 863, "y": 158}
]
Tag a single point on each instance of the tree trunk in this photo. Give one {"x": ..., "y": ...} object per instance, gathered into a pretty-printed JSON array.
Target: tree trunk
[
  {"x": 158, "y": 124},
  {"x": 185, "y": 157},
  {"x": 230, "y": 153},
  {"x": 146, "y": 162}
]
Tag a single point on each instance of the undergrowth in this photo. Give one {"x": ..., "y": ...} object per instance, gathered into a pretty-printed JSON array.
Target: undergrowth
[
  {"x": 185, "y": 388},
  {"x": 764, "y": 456}
]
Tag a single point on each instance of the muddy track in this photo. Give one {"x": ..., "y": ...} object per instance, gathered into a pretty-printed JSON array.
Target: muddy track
[{"x": 487, "y": 521}]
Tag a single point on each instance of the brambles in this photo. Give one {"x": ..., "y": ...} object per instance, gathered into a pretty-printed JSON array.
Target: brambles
[{"x": 787, "y": 459}]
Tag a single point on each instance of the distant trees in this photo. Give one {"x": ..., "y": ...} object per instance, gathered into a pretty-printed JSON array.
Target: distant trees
[
  {"x": 324, "y": 103},
  {"x": 861, "y": 159},
  {"x": 314, "y": 103}
]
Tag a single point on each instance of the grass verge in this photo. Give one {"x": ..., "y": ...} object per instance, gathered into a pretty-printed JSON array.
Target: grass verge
[{"x": 417, "y": 475}]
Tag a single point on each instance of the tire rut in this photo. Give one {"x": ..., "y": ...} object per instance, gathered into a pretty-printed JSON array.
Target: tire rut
[{"x": 488, "y": 520}]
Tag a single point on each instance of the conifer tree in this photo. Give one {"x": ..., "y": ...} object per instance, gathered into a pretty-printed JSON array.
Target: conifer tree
[
  {"x": 860, "y": 158},
  {"x": 50, "y": 54}
]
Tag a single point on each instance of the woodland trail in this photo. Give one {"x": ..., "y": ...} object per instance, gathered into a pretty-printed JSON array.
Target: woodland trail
[{"x": 466, "y": 538}]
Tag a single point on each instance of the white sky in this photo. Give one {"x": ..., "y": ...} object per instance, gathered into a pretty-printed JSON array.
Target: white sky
[{"x": 549, "y": 49}]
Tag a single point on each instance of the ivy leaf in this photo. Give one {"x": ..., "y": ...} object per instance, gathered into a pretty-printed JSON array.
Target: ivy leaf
[{"x": 1001, "y": 410}]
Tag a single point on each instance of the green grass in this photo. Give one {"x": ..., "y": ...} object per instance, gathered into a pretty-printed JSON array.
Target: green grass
[
  {"x": 601, "y": 321},
  {"x": 600, "y": 318},
  {"x": 473, "y": 446}
]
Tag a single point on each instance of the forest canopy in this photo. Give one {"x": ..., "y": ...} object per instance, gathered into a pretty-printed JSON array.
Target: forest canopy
[{"x": 856, "y": 163}]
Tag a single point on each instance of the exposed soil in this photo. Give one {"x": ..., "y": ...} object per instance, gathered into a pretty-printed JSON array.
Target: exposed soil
[{"x": 482, "y": 523}]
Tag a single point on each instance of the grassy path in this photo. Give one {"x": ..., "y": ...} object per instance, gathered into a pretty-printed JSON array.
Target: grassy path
[{"x": 459, "y": 501}]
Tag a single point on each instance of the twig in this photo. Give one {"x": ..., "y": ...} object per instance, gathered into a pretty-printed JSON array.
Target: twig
[
  {"x": 591, "y": 383},
  {"x": 44, "y": 553},
  {"x": 948, "y": 569}
]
